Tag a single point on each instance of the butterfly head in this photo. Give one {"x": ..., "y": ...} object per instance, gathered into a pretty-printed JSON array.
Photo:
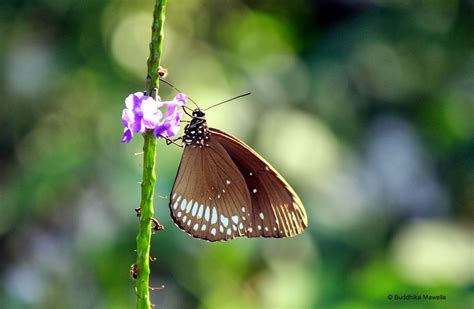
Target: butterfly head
[{"x": 198, "y": 113}]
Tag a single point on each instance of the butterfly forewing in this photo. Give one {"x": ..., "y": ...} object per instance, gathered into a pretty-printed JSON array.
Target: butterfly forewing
[{"x": 276, "y": 209}]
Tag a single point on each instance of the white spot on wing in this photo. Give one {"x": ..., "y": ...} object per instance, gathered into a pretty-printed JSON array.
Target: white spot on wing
[
  {"x": 196, "y": 227},
  {"x": 241, "y": 226},
  {"x": 250, "y": 174},
  {"x": 221, "y": 229},
  {"x": 250, "y": 230},
  {"x": 195, "y": 208},
  {"x": 234, "y": 227},
  {"x": 254, "y": 190},
  {"x": 259, "y": 227},
  {"x": 175, "y": 205},
  {"x": 243, "y": 209},
  {"x": 183, "y": 204},
  {"x": 235, "y": 219},
  {"x": 200, "y": 211},
  {"x": 224, "y": 220},
  {"x": 227, "y": 182},
  {"x": 229, "y": 231},
  {"x": 266, "y": 168},
  {"x": 179, "y": 214},
  {"x": 185, "y": 219},
  {"x": 214, "y": 215},
  {"x": 266, "y": 228},
  {"x": 261, "y": 215},
  {"x": 213, "y": 231},
  {"x": 203, "y": 228},
  {"x": 206, "y": 214}
]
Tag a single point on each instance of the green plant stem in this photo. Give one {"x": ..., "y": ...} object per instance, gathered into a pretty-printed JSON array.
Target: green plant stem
[
  {"x": 146, "y": 212},
  {"x": 149, "y": 162},
  {"x": 156, "y": 45}
]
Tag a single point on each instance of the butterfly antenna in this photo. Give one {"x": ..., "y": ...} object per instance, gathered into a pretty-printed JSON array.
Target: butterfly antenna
[
  {"x": 186, "y": 112},
  {"x": 239, "y": 96},
  {"x": 176, "y": 89}
]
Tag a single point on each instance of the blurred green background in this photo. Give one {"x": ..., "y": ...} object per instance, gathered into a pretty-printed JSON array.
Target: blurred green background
[{"x": 366, "y": 107}]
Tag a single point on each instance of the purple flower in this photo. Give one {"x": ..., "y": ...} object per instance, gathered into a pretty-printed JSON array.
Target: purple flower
[
  {"x": 170, "y": 124},
  {"x": 143, "y": 113}
]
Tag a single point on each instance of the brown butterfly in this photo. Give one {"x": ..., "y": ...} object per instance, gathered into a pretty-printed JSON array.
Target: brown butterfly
[{"x": 224, "y": 189}]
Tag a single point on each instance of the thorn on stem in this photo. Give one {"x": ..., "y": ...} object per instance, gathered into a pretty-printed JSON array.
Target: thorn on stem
[
  {"x": 158, "y": 288},
  {"x": 162, "y": 72},
  {"x": 134, "y": 271},
  {"x": 152, "y": 259},
  {"x": 164, "y": 197},
  {"x": 148, "y": 82},
  {"x": 138, "y": 211},
  {"x": 156, "y": 225},
  {"x": 154, "y": 93}
]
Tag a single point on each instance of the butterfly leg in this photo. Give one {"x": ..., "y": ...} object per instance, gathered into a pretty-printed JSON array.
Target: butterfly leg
[
  {"x": 173, "y": 141},
  {"x": 154, "y": 289}
]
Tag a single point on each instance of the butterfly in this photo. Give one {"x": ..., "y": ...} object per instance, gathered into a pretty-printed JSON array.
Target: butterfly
[{"x": 224, "y": 189}]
